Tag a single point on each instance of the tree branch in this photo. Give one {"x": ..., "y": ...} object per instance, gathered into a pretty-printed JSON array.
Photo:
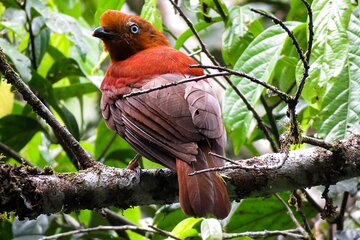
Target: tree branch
[
  {"x": 29, "y": 193},
  {"x": 67, "y": 141}
]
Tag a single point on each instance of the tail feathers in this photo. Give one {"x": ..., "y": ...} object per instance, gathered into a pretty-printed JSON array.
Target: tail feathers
[{"x": 204, "y": 193}]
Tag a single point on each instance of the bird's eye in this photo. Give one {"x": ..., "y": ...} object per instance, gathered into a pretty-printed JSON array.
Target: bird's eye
[{"x": 134, "y": 29}]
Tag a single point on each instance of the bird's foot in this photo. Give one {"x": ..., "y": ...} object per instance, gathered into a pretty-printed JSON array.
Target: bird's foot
[{"x": 134, "y": 163}]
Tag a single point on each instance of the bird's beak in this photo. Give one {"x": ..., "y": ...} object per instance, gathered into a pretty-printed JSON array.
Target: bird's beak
[{"x": 104, "y": 34}]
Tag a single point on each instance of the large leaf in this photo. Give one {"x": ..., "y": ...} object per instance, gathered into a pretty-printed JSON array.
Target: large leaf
[
  {"x": 6, "y": 99},
  {"x": 340, "y": 114},
  {"x": 330, "y": 47},
  {"x": 152, "y": 14},
  {"x": 45, "y": 90},
  {"x": 240, "y": 30},
  {"x": 119, "y": 149},
  {"x": 258, "y": 60},
  {"x": 188, "y": 33},
  {"x": 74, "y": 90},
  {"x": 17, "y": 130},
  {"x": 62, "y": 24},
  {"x": 21, "y": 63},
  {"x": 31, "y": 229},
  {"x": 185, "y": 228},
  {"x": 64, "y": 67},
  {"x": 256, "y": 214},
  {"x": 105, "y": 5}
]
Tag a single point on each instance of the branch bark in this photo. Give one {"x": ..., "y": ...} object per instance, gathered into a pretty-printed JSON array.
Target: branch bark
[{"x": 28, "y": 192}]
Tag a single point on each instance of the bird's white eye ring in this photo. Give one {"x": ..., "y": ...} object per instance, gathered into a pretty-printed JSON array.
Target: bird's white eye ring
[{"x": 134, "y": 29}]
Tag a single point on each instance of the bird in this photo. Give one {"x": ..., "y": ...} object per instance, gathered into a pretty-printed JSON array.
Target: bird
[{"x": 178, "y": 126}]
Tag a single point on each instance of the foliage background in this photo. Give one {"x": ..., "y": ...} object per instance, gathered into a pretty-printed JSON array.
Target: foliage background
[{"x": 50, "y": 45}]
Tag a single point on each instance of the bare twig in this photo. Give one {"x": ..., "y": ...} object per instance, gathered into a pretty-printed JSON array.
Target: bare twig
[
  {"x": 106, "y": 148},
  {"x": 291, "y": 215},
  {"x": 288, "y": 31},
  {"x": 264, "y": 234},
  {"x": 102, "y": 228},
  {"x": 308, "y": 52},
  {"x": 311, "y": 200},
  {"x": 270, "y": 115},
  {"x": 12, "y": 153},
  {"x": 299, "y": 209},
  {"x": 237, "y": 91},
  {"x": 116, "y": 219},
  {"x": 32, "y": 38},
  {"x": 318, "y": 142},
  {"x": 67, "y": 141},
  {"x": 340, "y": 217},
  {"x": 329, "y": 211},
  {"x": 284, "y": 96},
  {"x": 243, "y": 164},
  {"x": 164, "y": 233},
  {"x": 182, "y": 81}
]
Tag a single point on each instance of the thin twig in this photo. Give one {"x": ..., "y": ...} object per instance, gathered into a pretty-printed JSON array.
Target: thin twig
[
  {"x": 191, "y": 54},
  {"x": 340, "y": 217},
  {"x": 284, "y": 96},
  {"x": 287, "y": 30},
  {"x": 269, "y": 113},
  {"x": 264, "y": 234},
  {"x": 12, "y": 153},
  {"x": 308, "y": 51},
  {"x": 291, "y": 215},
  {"x": 182, "y": 81},
  {"x": 164, "y": 233},
  {"x": 299, "y": 209},
  {"x": 242, "y": 164},
  {"x": 101, "y": 228},
  {"x": 224, "y": 158},
  {"x": 106, "y": 148},
  {"x": 311, "y": 200},
  {"x": 67, "y": 141},
  {"x": 116, "y": 219},
  {"x": 32, "y": 38},
  {"x": 318, "y": 142},
  {"x": 237, "y": 91}
]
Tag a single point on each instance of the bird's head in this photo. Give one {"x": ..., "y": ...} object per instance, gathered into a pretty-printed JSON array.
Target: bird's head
[{"x": 124, "y": 35}]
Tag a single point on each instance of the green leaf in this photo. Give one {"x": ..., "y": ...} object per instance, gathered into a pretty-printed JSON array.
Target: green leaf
[
  {"x": 167, "y": 217},
  {"x": 119, "y": 149},
  {"x": 257, "y": 214},
  {"x": 185, "y": 228},
  {"x": 258, "y": 60},
  {"x": 42, "y": 38},
  {"x": 5, "y": 229},
  {"x": 71, "y": 7},
  {"x": 340, "y": 113},
  {"x": 74, "y": 90},
  {"x": 240, "y": 30},
  {"x": 188, "y": 33},
  {"x": 297, "y": 11},
  {"x": 330, "y": 47},
  {"x": 21, "y": 63},
  {"x": 45, "y": 91},
  {"x": 211, "y": 229},
  {"x": 10, "y": 4},
  {"x": 152, "y": 14},
  {"x": 64, "y": 67},
  {"x": 6, "y": 99},
  {"x": 61, "y": 24},
  {"x": 285, "y": 69},
  {"x": 105, "y": 5},
  {"x": 17, "y": 130}
]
